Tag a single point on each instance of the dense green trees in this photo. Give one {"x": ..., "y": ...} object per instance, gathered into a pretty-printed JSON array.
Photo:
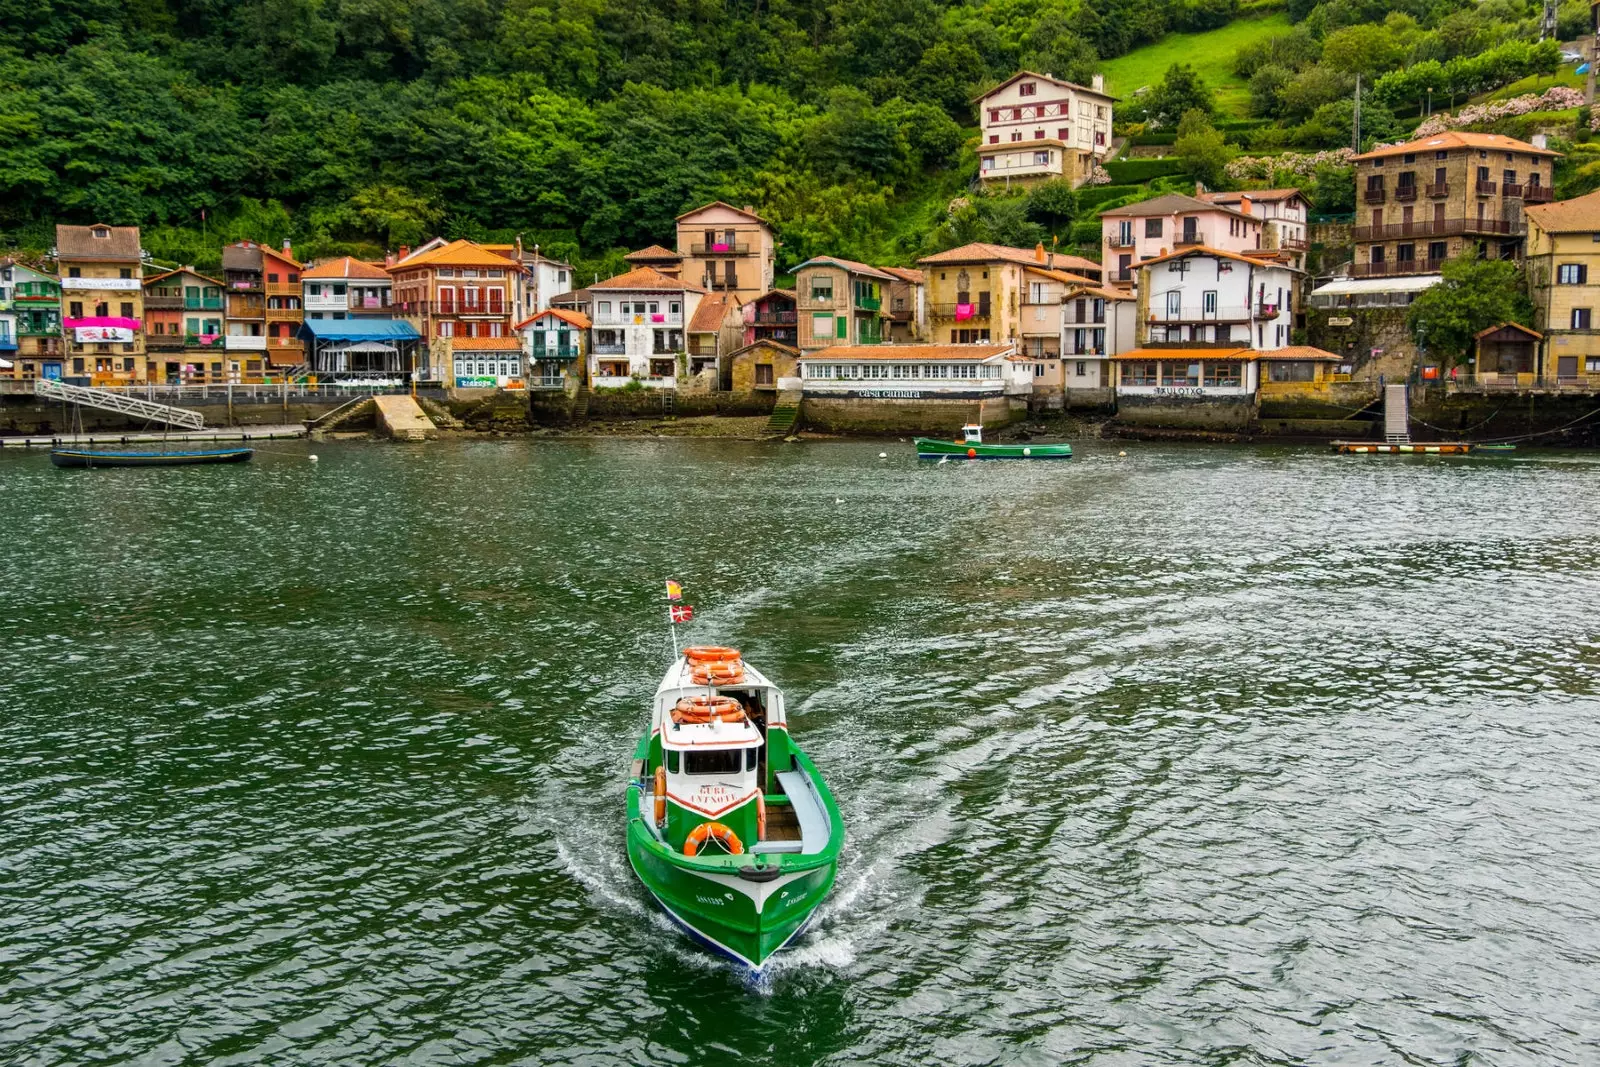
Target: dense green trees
[{"x": 1474, "y": 295}]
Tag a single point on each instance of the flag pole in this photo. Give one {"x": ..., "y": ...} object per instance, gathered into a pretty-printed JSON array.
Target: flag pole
[{"x": 672, "y": 626}]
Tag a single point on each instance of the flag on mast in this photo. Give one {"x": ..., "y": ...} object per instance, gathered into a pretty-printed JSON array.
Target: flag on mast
[
  {"x": 674, "y": 590},
  {"x": 680, "y": 612}
]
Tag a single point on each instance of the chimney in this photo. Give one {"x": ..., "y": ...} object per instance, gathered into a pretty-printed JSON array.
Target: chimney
[
  {"x": 1199, "y": 188},
  {"x": 405, "y": 250},
  {"x": 1244, "y": 204},
  {"x": 388, "y": 259},
  {"x": 286, "y": 248},
  {"x": 748, "y": 210},
  {"x": 1038, "y": 252},
  {"x": 1098, "y": 83}
]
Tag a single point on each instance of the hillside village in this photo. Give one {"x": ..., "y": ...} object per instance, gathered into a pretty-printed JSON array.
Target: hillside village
[{"x": 1200, "y": 309}]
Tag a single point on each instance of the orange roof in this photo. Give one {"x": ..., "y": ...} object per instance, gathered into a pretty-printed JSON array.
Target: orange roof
[
  {"x": 979, "y": 352},
  {"x": 848, "y": 264},
  {"x": 983, "y": 252},
  {"x": 647, "y": 278},
  {"x": 1457, "y": 139},
  {"x": 1100, "y": 291},
  {"x": 487, "y": 344},
  {"x": 346, "y": 267},
  {"x": 905, "y": 274},
  {"x": 1061, "y": 276},
  {"x": 169, "y": 273},
  {"x": 708, "y": 317},
  {"x": 456, "y": 254},
  {"x": 1481, "y": 334},
  {"x": 1229, "y": 354},
  {"x": 1253, "y": 260},
  {"x": 1262, "y": 195},
  {"x": 276, "y": 253},
  {"x": 1302, "y": 352},
  {"x": 1580, "y": 214},
  {"x": 572, "y": 318},
  {"x": 653, "y": 252}
]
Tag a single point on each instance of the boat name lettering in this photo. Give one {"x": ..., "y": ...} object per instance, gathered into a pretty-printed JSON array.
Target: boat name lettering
[{"x": 708, "y": 900}]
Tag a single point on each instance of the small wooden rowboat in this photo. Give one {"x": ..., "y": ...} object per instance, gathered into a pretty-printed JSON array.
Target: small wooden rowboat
[
  {"x": 1494, "y": 448},
  {"x": 730, "y": 826},
  {"x": 972, "y": 447},
  {"x": 81, "y": 457}
]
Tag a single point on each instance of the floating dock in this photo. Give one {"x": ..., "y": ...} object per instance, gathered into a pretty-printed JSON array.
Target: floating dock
[
  {"x": 112, "y": 437},
  {"x": 1442, "y": 448}
]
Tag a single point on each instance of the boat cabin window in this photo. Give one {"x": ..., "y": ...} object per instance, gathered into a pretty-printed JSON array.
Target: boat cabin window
[
  {"x": 672, "y": 761},
  {"x": 750, "y": 757},
  {"x": 718, "y": 761}
]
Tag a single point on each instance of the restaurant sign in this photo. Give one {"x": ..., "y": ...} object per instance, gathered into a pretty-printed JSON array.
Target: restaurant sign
[
  {"x": 1341, "y": 320},
  {"x": 123, "y": 285},
  {"x": 476, "y": 382}
]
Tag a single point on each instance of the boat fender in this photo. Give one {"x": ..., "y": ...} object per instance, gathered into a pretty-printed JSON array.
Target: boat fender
[
  {"x": 761, "y": 874},
  {"x": 972, "y": 453},
  {"x": 721, "y": 833},
  {"x": 761, "y": 817},
  {"x": 661, "y": 795},
  {"x": 1027, "y": 451}
]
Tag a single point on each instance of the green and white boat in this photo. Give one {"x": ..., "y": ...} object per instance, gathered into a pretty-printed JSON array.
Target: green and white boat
[
  {"x": 730, "y": 827},
  {"x": 971, "y": 446}
]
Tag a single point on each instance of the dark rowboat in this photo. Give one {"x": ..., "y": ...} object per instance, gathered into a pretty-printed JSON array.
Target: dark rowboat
[{"x": 79, "y": 457}]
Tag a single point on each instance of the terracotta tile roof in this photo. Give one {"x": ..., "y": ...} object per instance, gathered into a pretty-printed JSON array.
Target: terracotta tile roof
[
  {"x": 848, "y": 264},
  {"x": 983, "y": 252},
  {"x": 1302, "y": 352},
  {"x": 730, "y": 207},
  {"x": 241, "y": 255},
  {"x": 1458, "y": 139},
  {"x": 1254, "y": 259},
  {"x": 1580, "y": 214},
  {"x": 913, "y": 352},
  {"x": 78, "y": 242},
  {"x": 1263, "y": 195},
  {"x": 1102, "y": 292},
  {"x": 709, "y": 316},
  {"x": 487, "y": 344},
  {"x": 905, "y": 274},
  {"x": 767, "y": 342},
  {"x": 576, "y": 296},
  {"x": 346, "y": 267},
  {"x": 1171, "y": 204},
  {"x": 279, "y": 254},
  {"x": 1061, "y": 276},
  {"x": 781, "y": 294},
  {"x": 1044, "y": 78},
  {"x": 456, "y": 254},
  {"x": 571, "y": 318},
  {"x": 647, "y": 278},
  {"x": 1190, "y": 353},
  {"x": 652, "y": 252},
  {"x": 1481, "y": 334},
  {"x": 180, "y": 270}
]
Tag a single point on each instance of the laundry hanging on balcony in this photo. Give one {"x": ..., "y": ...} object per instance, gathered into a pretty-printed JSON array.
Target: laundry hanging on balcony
[{"x": 963, "y": 312}]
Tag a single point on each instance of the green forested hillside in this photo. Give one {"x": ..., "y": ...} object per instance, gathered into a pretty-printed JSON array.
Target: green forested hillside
[{"x": 584, "y": 125}]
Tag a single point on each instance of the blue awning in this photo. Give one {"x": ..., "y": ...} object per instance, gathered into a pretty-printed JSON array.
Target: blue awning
[{"x": 357, "y": 330}]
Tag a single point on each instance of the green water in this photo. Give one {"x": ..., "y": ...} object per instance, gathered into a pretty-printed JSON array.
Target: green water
[{"x": 1193, "y": 756}]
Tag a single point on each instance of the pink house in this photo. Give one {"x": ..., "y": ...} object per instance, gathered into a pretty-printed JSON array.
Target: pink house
[{"x": 1172, "y": 223}]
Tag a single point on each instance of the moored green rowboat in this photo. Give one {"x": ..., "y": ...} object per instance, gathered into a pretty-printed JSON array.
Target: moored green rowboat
[
  {"x": 730, "y": 827},
  {"x": 934, "y": 447}
]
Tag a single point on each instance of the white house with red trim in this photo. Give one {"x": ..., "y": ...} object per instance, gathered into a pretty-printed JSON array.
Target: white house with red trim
[{"x": 1037, "y": 126}]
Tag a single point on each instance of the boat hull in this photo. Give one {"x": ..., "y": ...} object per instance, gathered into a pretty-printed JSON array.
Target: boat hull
[
  {"x": 934, "y": 447},
  {"x": 70, "y": 457}
]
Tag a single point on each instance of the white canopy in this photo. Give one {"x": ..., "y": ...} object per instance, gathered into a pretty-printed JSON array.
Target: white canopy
[{"x": 1408, "y": 283}]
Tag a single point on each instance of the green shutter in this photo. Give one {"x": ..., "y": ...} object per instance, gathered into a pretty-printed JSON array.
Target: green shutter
[{"x": 842, "y": 324}]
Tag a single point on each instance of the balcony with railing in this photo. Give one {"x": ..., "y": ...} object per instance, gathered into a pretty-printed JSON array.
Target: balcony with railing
[
  {"x": 204, "y": 340},
  {"x": 163, "y": 342},
  {"x": 1188, "y": 239},
  {"x": 1513, "y": 189},
  {"x": 1375, "y": 195},
  {"x": 1438, "y": 190},
  {"x": 1438, "y": 228},
  {"x": 285, "y": 314},
  {"x": 720, "y": 248},
  {"x": 960, "y": 312},
  {"x": 609, "y": 348},
  {"x": 202, "y": 303},
  {"x": 869, "y": 303},
  {"x": 1405, "y": 192},
  {"x": 36, "y": 291},
  {"x": 554, "y": 352},
  {"x": 657, "y": 319},
  {"x": 1484, "y": 188},
  {"x": 775, "y": 318},
  {"x": 154, "y": 298},
  {"x": 1116, "y": 240},
  {"x": 1293, "y": 244},
  {"x": 1396, "y": 267},
  {"x": 1538, "y": 194},
  {"x": 1225, "y": 313}
]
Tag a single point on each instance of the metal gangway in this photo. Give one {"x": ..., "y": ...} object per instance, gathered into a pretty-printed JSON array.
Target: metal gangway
[
  {"x": 1396, "y": 417},
  {"x": 107, "y": 400}
]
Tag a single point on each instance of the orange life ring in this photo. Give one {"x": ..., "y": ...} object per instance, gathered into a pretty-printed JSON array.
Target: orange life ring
[
  {"x": 704, "y": 709},
  {"x": 717, "y": 832},
  {"x": 661, "y": 795},
  {"x": 717, "y": 674},
  {"x": 761, "y": 817},
  {"x": 697, "y": 655}
]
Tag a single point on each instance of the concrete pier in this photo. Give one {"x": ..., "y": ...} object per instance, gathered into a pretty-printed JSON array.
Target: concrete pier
[{"x": 108, "y": 437}]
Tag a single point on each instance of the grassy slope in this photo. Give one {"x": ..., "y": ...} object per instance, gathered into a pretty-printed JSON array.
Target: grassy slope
[{"x": 1210, "y": 54}]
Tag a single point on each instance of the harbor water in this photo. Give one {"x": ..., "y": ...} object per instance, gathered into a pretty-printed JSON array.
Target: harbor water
[{"x": 1188, "y": 756}]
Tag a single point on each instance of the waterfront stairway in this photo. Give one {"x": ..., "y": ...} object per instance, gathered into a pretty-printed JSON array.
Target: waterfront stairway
[
  {"x": 403, "y": 419},
  {"x": 121, "y": 403},
  {"x": 785, "y": 414},
  {"x": 1396, "y": 416}
]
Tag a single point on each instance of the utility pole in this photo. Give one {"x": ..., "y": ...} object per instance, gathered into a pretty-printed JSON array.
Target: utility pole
[
  {"x": 1547, "y": 27},
  {"x": 1355, "y": 120}
]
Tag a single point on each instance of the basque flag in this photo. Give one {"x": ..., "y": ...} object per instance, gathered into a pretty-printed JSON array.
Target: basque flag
[
  {"x": 681, "y": 612},
  {"x": 674, "y": 590}
]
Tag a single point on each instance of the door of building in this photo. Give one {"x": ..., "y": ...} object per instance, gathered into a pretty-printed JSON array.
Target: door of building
[{"x": 1566, "y": 366}]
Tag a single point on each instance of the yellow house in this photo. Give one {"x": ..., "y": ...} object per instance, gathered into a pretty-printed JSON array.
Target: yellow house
[
  {"x": 1301, "y": 372},
  {"x": 1563, "y": 266}
]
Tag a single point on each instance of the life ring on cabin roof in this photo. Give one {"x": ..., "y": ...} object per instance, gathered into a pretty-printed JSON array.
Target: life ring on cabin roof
[
  {"x": 691, "y": 710},
  {"x": 717, "y": 673},
  {"x": 702, "y": 655},
  {"x": 716, "y": 831}
]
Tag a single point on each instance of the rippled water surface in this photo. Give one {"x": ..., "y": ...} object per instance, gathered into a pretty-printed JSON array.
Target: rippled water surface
[{"x": 1222, "y": 756}]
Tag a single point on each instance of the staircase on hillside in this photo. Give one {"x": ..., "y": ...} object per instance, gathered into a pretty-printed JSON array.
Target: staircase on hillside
[
  {"x": 1396, "y": 417},
  {"x": 123, "y": 404},
  {"x": 580, "y": 403},
  {"x": 785, "y": 414}
]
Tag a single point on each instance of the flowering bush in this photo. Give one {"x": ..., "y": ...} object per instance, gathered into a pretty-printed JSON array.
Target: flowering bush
[
  {"x": 1300, "y": 164},
  {"x": 1098, "y": 175},
  {"x": 1559, "y": 98}
]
